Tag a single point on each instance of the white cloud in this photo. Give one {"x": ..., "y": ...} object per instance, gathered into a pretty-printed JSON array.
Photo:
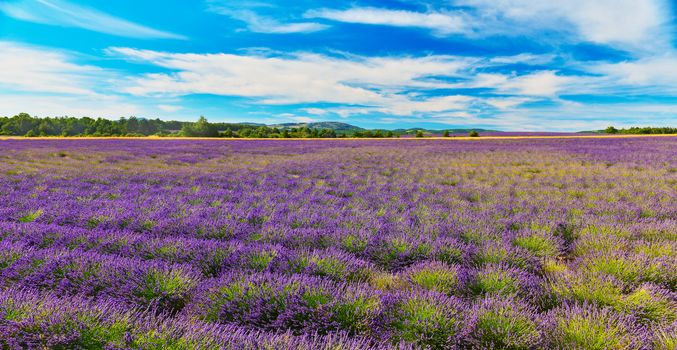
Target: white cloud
[
  {"x": 523, "y": 58},
  {"x": 66, "y": 14},
  {"x": 376, "y": 82},
  {"x": 487, "y": 80},
  {"x": 638, "y": 25},
  {"x": 262, "y": 24},
  {"x": 543, "y": 83},
  {"x": 658, "y": 70},
  {"x": 539, "y": 83},
  {"x": 36, "y": 69},
  {"x": 440, "y": 23},
  {"x": 407, "y": 106},
  {"x": 506, "y": 103},
  {"x": 630, "y": 23}
]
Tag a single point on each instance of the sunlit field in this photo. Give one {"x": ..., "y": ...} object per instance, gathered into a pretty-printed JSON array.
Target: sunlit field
[{"x": 553, "y": 243}]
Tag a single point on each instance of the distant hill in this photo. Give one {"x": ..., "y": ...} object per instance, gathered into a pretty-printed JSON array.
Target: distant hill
[
  {"x": 344, "y": 127},
  {"x": 336, "y": 126},
  {"x": 451, "y": 131}
]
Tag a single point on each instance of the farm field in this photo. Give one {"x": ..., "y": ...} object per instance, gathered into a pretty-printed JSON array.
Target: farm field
[{"x": 550, "y": 243}]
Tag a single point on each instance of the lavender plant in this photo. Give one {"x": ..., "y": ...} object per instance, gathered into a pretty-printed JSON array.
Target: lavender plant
[{"x": 351, "y": 244}]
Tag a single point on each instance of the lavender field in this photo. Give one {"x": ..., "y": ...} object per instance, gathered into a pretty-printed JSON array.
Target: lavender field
[{"x": 345, "y": 244}]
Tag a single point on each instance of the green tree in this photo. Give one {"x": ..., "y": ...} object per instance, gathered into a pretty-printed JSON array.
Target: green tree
[
  {"x": 419, "y": 133},
  {"x": 473, "y": 134},
  {"x": 446, "y": 133},
  {"x": 201, "y": 128},
  {"x": 611, "y": 130}
]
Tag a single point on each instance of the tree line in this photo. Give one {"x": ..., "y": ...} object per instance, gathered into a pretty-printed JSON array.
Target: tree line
[
  {"x": 641, "y": 130},
  {"x": 25, "y": 125}
]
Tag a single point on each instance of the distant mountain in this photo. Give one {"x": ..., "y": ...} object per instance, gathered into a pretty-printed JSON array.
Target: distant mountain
[
  {"x": 336, "y": 126},
  {"x": 344, "y": 127},
  {"x": 451, "y": 131}
]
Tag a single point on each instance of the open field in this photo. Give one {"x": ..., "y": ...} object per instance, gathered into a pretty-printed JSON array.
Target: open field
[{"x": 517, "y": 242}]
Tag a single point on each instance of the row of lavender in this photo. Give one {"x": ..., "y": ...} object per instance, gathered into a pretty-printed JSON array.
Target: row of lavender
[{"x": 519, "y": 244}]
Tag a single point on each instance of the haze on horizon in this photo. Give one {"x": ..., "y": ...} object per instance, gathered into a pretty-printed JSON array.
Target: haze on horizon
[{"x": 523, "y": 65}]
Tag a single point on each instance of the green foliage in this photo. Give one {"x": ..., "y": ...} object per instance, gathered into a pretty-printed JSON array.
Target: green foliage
[
  {"x": 202, "y": 128},
  {"x": 505, "y": 328},
  {"x": 31, "y": 216},
  {"x": 647, "y": 130},
  {"x": 591, "y": 329},
  {"x": 493, "y": 281},
  {"x": 586, "y": 287},
  {"x": 651, "y": 305},
  {"x": 541, "y": 246},
  {"x": 167, "y": 289},
  {"x": 473, "y": 134},
  {"x": 354, "y": 312},
  {"x": 422, "y": 321},
  {"x": 419, "y": 133},
  {"x": 373, "y": 133},
  {"x": 437, "y": 277},
  {"x": 665, "y": 340},
  {"x": 259, "y": 261}
]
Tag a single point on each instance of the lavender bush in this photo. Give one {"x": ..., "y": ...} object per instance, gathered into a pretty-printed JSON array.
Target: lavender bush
[{"x": 350, "y": 244}]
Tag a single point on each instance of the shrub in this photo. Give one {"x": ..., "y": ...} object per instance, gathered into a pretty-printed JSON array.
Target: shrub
[
  {"x": 167, "y": 289},
  {"x": 356, "y": 312},
  {"x": 502, "y": 324},
  {"x": 433, "y": 276},
  {"x": 580, "y": 287},
  {"x": 666, "y": 338},
  {"x": 589, "y": 327},
  {"x": 540, "y": 245},
  {"x": 492, "y": 280},
  {"x": 427, "y": 320},
  {"x": 650, "y": 303}
]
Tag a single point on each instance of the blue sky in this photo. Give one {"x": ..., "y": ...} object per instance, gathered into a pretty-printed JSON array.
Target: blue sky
[{"x": 562, "y": 65}]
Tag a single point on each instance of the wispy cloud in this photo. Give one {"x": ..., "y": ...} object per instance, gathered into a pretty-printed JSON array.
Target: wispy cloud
[
  {"x": 629, "y": 24},
  {"x": 51, "y": 82},
  {"x": 403, "y": 88},
  {"x": 378, "y": 82},
  {"x": 263, "y": 24},
  {"x": 34, "y": 69},
  {"x": 439, "y": 23},
  {"x": 651, "y": 71},
  {"x": 66, "y": 14},
  {"x": 543, "y": 83}
]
